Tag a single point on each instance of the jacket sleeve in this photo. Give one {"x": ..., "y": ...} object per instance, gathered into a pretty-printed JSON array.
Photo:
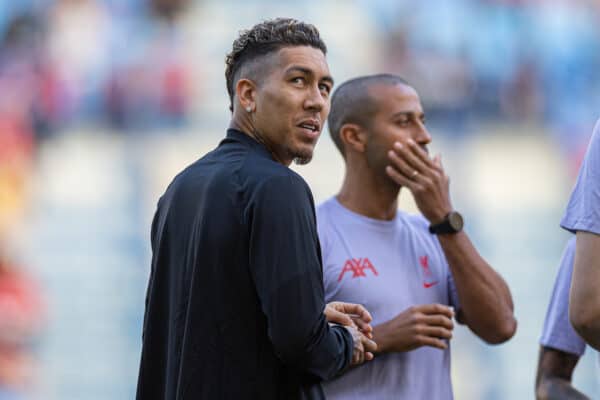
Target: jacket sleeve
[{"x": 285, "y": 264}]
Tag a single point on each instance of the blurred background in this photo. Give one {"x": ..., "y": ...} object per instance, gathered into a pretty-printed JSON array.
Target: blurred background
[{"x": 102, "y": 102}]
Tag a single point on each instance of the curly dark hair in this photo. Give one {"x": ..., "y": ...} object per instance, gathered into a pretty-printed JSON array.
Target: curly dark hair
[{"x": 265, "y": 38}]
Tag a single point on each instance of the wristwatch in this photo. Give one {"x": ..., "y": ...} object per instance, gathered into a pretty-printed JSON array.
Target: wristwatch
[{"x": 452, "y": 223}]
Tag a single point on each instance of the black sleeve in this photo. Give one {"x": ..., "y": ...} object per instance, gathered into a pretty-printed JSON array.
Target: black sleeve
[{"x": 286, "y": 267}]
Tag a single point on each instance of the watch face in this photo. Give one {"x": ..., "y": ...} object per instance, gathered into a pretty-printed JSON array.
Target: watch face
[{"x": 455, "y": 220}]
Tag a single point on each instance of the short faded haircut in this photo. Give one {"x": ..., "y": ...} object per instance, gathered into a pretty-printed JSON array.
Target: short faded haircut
[
  {"x": 263, "y": 39},
  {"x": 352, "y": 103}
]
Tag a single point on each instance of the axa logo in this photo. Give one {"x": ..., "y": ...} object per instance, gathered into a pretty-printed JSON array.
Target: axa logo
[
  {"x": 357, "y": 267},
  {"x": 427, "y": 282}
]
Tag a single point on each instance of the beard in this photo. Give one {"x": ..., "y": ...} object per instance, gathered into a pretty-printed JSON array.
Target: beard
[
  {"x": 302, "y": 160},
  {"x": 377, "y": 161},
  {"x": 301, "y": 156}
]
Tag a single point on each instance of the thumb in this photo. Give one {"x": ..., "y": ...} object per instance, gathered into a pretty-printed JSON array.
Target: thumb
[{"x": 437, "y": 161}]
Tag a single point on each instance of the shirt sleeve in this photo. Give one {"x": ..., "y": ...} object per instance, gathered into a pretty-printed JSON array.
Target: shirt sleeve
[
  {"x": 558, "y": 332},
  {"x": 583, "y": 209},
  {"x": 285, "y": 264}
]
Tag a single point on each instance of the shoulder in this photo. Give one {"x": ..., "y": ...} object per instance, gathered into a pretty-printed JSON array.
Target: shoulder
[
  {"x": 595, "y": 140},
  {"x": 592, "y": 156},
  {"x": 324, "y": 211},
  {"x": 275, "y": 190},
  {"x": 325, "y": 218},
  {"x": 417, "y": 223},
  {"x": 592, "y": 160},
  {"x": 270, "y": 177},
  {"x": 422, "y": 239}
]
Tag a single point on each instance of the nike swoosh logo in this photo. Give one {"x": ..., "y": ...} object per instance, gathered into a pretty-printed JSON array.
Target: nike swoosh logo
[{"x": 427, "y": 285}]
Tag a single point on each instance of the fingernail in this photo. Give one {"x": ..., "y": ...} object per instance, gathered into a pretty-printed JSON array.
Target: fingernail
[
  {"x": 391, "y": 153},
  {"x": 411, "y": 142},
  {"x": 398, "y": 145}
]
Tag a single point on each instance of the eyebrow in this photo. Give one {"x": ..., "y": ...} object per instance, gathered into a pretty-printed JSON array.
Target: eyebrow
[{"x": 306, "y": 71}]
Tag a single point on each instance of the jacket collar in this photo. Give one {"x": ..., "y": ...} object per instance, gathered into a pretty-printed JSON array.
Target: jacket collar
[{"x": 239, "y": 136}]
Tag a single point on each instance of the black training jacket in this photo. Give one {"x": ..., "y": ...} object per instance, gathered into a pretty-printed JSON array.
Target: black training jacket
[{"x": 235, "y": 299}]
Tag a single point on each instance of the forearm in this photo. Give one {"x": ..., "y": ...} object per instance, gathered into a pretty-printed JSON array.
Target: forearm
[
  {"x": 557, "y": 389},
  {"x": 584, "y": 304},
  {"x": 554, "y": 374},
  {"x": 486, "y": 302},
  {"x": 324, "y": 353}
]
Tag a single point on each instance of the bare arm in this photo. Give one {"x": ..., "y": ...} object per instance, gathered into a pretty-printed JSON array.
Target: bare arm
[
  {"x": 486, "y": 303},
  {"x": 584, "y": 301},
  {"x": 553, "y": 380}
]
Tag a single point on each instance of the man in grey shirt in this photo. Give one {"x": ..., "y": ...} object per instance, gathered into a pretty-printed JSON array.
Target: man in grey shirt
[
  {"x": 582, "y": 217},
  {"x": 409, "y": 271}
]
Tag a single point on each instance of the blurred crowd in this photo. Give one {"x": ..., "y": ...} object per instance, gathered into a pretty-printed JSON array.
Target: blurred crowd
[
  {"x": 21, "y": 318},
  {"x": 72, "y": 61},
  {"x": 520, "y": 61},
  {"x": 124, "y": 62},
  {"x": 64, "y": 63}
]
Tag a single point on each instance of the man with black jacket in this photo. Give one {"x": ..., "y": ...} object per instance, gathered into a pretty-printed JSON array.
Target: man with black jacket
[{"x": 235, "y": 304}]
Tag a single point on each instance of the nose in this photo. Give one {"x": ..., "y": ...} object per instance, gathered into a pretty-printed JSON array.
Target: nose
[
  {"x": 315, "y": 101},
  {"x": 423, "y": 137}
]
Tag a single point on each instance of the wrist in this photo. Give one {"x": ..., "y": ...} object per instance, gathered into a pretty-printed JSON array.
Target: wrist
[
  {"x": 439, "y": 216},
  {"x": 451, "y": 223},
  {"x": 379, "y": 337}
]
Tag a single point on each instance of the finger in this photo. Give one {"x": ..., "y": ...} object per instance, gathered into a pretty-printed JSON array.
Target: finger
[
  {"x": 420, "y": 152},
  {"x": 357, "y": 353},
  {"x": 369, "y": 345},
  {"x": 338, "y": 317},
  {"x": 355, "y": 357},
  {"x": 358, "y": 356},
  {"x": 408, "y": 154},
  {"x": 432, "y": 342},
  {"x": 398, "y": 162},
  {"x": 368, "y": 334},
  {"x": 437, "y": 161},
  {"x": 362, "y": 325},
  {"x": 435, "y": 309},
  {"x": 369, "y": 356},
  {"x": 438, "y": 321},
  {"x": 356, "y": 310},
  {"x": 436, "y": 332},
  {"x": 401, "y": 179}
]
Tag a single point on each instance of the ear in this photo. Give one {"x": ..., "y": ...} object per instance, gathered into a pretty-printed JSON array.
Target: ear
[
  {"x": 245, "y": 92},
  {"x": 354, "y": 137}
]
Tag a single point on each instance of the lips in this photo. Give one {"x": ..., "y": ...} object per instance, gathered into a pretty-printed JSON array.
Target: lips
[{"x": 311, "y": 127}]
